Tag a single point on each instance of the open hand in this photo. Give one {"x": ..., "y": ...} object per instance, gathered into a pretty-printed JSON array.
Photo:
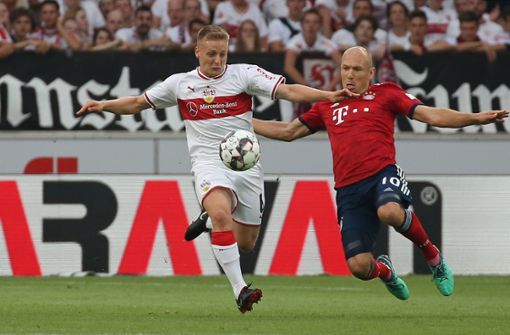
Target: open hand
[
  {"x": 91, "y": 106},
  {"x": 498, "y": 116}
]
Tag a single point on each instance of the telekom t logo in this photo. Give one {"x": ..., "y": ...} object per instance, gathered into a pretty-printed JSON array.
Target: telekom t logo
[
  {"x": 339, "y": 114},
  {"x": 49, "y": 165}
]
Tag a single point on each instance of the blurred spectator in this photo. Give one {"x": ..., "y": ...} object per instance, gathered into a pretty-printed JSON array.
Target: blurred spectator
[
  {"x": 163, "y": 14},
  {"x": 71, "y": 27},
  {"x": 192, "y": 10},
  {"x": 334, "y": 15},
  {"x": 126, "y": 8},
  {"x": 22, "y": 23},
  {"x": 106, "y": 6},
  {"x": 231, "y": 13},
  {"x": 469, "y": 40},
  {"x": 212, "y": 4},
  {"x": 345, "y": 35},
  {"x": 12, "y": 4},
  {"x": 82, "y": 20},
  {"x": 273, "y": 9},
  {"x": 52, "y": 31},
  {"x": 180, "y": 34},
  {"x": 94, "y": 16},
  {"x": 142, "y": 36},
  {"x": 76, "y": 23},
  {"x": 4, "y": 17},
  {"x": 103, "y": 40},
  {"x": 282, "y": 29},
  {"x": 6, "y": 49},
  {"x": 503, "y": 38},
  {"x": 176, "y": 14},
  {"x": 6, "y": 46},
  {"x": 419, "y": 43},
  {"x": 309, "y": 40},
  {"x": 379, "y": 12},
  {"x": 364, "y": 35},
  {"x": 440, "y": 22},
  {"x": 418, "y": 4},
  {"x": 114, "y": 21},
  {"x": 398, "y": 21},
  {"x": 489, "y": 29},
  {"x": 248, "y": 39},
  {"x": 418, "y": 30},
  {"x": 194, "y": 27},
  {"x": 461, "y": 6}
]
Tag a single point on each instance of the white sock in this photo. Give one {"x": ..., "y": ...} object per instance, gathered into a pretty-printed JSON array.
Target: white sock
[
  {"x": 228, "y": 257},
  {"x": 208, "y": 223}
]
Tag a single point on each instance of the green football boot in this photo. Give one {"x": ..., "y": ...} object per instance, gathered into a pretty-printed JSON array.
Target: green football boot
[
  {"x": 443, "y": 277},
  {"x": 395, "y": 285}
]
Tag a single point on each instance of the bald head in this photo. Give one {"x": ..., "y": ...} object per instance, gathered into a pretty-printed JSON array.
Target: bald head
[
  {"x": 357, "y": 69},
  {"x": 358, "y": 53}
]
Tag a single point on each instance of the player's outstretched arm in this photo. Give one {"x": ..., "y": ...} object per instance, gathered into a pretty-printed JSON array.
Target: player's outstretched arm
[
  {"x": 444, "y": 117},
  {"x": 302, "y": 93},
  {"x": 278, "y": 130},
  {"x": 125, "y": 105}
]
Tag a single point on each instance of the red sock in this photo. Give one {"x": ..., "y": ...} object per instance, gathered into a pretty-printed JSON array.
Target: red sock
[
  {"x": 379, "y": 270},
  {"x": 416, "y": 234},
  {"x": 222, "y": 238}
]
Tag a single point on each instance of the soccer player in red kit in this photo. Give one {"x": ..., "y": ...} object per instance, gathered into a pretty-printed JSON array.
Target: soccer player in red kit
[{"x": 370, "y": 187}]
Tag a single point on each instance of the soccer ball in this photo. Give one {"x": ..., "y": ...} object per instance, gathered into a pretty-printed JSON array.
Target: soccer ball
[{"x": 240, "y": 150}]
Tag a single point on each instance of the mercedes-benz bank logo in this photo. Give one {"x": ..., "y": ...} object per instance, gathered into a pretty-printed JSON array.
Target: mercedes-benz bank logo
[
  {"x": 192, "y": 108},
  {"x": 429, "y": 195}
]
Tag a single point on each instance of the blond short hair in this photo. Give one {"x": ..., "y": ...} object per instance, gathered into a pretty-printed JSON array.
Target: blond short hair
[{"x": 213, "y": 33}]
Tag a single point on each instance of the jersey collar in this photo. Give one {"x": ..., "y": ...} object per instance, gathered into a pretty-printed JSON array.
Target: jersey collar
[{"x": 203, "y": 76}]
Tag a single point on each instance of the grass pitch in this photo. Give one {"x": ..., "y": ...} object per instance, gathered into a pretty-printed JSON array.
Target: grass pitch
[{"x": 291, "y": 305}]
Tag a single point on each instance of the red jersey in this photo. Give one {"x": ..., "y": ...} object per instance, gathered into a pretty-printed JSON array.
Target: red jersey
[{"x": 361, "y": 130}]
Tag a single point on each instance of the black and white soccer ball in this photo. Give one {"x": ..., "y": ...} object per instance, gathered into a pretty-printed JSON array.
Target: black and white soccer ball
[{"x": 240, "y": 150}]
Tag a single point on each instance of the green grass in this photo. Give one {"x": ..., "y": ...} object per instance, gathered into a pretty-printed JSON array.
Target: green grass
[{"x": 291, "y": 305}]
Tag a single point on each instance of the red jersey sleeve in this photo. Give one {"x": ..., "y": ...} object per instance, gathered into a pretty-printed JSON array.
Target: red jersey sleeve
[
  {"x": 312, "y": 119},
  {"x": 401, "y": 102}
]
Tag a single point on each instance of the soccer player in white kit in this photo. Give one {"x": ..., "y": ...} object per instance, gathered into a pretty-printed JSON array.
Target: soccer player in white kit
[{"x": 214, "y": 99}]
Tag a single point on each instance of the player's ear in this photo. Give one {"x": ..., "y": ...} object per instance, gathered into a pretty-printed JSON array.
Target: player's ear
[
  {"x": 372, "y": 74},
  {"x": 196, "y": 51}
]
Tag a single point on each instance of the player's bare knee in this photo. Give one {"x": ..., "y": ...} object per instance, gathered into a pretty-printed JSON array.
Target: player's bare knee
[
  {"x": 390, "y": 213},
  {"x": 220, "y": 217},
  {"x": 246, "y": 246},
  {"x": 359, "y": 267}
]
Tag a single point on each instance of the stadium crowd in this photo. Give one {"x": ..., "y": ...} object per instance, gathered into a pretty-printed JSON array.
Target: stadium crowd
[{"x": 329, "y": 26}]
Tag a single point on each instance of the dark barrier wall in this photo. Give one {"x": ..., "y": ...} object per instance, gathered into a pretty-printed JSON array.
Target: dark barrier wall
[{"x": 43, "y": 92}]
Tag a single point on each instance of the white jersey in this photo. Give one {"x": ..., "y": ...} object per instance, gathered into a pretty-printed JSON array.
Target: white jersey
[
  {"x": 280, "y": 32},
  {"x": 179, "y": 35},
  {"x": 160, "y": 9},
  {"x": 439, "y": 24},
  {"x": 212, "y": 107},
  {"x": 402, "y": 41},
  {"x": 298, "y": 44},
  {"x": 226, "y": 14}
]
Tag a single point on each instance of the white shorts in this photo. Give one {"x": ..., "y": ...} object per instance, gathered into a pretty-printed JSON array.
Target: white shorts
[{"x": 247, "y": 187}]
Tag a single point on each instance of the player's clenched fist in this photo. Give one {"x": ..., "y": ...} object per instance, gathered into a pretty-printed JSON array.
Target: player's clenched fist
[{"x": 91, "y": 106}]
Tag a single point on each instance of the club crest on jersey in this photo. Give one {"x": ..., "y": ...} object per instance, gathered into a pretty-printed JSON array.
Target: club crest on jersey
[
  {"x": 369, "y": 95},
  {"x": 205, "y": 185},
  {"x": 192, "y": 108},
  {"x": 209, "y": 94}
]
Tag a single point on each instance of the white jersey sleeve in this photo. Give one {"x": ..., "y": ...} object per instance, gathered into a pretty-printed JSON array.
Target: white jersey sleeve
[
  {"x": 164, "y": 94},
  {"x": 261, "y": 82}
]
